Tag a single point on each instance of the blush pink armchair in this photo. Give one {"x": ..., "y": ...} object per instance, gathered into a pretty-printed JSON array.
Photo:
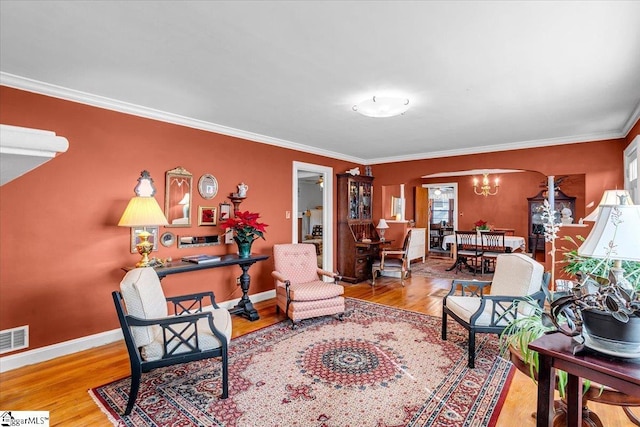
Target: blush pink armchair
[{"x": 300, "y": 291}]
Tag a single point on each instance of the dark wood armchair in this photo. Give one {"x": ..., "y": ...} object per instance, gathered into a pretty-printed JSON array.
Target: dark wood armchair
[
  {"x": 155, "y": 339},
  {"x": 517, "y": 283}
]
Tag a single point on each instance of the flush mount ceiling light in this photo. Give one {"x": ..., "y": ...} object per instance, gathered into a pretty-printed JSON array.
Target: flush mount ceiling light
[{"x": 380, "y": 107}]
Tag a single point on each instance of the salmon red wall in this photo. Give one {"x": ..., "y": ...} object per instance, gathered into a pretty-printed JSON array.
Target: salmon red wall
[
  {"x": 62, "y": 253},
  {"x": 61, "y": 250}
]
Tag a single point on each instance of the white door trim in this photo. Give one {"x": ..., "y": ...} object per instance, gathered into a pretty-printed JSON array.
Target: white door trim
[{"x": 327, "y": 208}]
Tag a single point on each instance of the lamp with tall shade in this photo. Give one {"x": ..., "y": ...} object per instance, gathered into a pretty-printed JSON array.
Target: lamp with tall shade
[
  {"x": 615, "y": 235},
  {"x": 143, "y": 211},
  {"x": 382, "y": 226},
  {"x": 610, "y": 197}
]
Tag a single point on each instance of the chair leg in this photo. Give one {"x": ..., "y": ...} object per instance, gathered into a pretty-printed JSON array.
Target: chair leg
[
  {"x": 444, "y": 326},
  {"x": 472, "y": 350},
  {"x": 225, "y": 375},
  {"x": 136, "y": 375}
]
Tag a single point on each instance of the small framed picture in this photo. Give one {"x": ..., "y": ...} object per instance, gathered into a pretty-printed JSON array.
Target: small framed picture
[
  {"x": 135, "y": 237},
  {"x": 207, "y": 215},
  {"x": 225, "y": 211}
]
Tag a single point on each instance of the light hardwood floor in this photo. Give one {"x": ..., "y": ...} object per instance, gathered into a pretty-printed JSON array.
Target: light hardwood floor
[{"x": 60, "y": 386}]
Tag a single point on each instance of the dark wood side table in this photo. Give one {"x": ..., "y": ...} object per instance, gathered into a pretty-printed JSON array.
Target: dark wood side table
[
  {"x": 556, "y": 352},
  {"x": 245, "y": 306}
]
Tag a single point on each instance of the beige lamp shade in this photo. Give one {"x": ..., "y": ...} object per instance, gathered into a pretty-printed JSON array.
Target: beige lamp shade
[
  {"x": 382, "y": 224},
  {"x": 610, "y": 197},
  {"x": 141, "y": 212},
  {"x": 615, "y": 235}
]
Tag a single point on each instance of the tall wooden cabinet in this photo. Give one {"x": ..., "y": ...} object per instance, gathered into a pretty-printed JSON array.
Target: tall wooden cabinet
[
  {"x": 358, "y": 240},
  {"x": 536, "y": 221}
]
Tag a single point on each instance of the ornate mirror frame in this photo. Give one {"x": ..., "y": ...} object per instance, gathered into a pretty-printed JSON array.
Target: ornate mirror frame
[{"x": 178, "y": 198}]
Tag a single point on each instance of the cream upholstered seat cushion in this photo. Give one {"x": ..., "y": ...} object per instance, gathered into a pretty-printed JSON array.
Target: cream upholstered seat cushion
[
  {"x": 465, "y": 307},
  {"x": 206, "y": 339},
  {"x": 144, "y": 298},
  {"x": 516, "y": 275}
]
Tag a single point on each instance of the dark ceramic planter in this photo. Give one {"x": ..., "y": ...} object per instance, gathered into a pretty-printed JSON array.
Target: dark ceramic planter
[{"x": 602, "y": 325}]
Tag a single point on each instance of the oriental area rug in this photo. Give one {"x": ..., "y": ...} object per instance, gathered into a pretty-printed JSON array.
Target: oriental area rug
[
  {"x": 378, "y": 367},
  {"x": 437, "y": 268}
]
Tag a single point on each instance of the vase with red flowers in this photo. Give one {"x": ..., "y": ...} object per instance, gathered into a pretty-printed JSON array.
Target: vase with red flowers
[
  {"x": 481, "y": 225},
  {"x": 246, "y": 229}
]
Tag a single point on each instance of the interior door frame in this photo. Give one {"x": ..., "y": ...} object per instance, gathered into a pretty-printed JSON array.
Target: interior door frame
[
  {"x": 455, "y": 201},
  {"x": 327, "y": 208}
]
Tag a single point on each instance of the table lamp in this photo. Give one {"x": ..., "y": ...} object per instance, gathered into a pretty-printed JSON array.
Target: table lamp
[
  {"x": 615, "y": 235},
  {"x": 382, "y": 226},
  {"x": 143, "y": 211},
  {"x": 610, "y": 197}
]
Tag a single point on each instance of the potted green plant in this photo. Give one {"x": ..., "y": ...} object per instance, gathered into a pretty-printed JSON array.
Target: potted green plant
[
  {"x": 246, "y": 229},
  {"x": 602, "y": 309}
]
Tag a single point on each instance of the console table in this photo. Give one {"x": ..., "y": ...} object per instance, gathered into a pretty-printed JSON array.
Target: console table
[
  {"x": 245, "y": 306},
  {"x": 555, "y": 351}
]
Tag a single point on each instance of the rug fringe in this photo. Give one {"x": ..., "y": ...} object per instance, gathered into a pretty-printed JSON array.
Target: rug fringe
[{"x": 103, "y": 408}]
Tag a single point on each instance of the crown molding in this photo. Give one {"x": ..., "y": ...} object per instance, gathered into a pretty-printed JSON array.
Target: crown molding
[
  {"x": 42, "y": 88},
  {"x": 67, "y": 94},
  {"x": 501, "y": 147},
  {"x": 633, "y": 118}
]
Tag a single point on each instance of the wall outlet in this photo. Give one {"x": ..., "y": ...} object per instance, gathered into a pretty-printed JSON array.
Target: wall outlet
[{"x": 287, "y": 214}]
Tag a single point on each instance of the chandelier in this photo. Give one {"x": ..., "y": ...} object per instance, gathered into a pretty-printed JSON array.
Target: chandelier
[{"x": 485, "y": 190}]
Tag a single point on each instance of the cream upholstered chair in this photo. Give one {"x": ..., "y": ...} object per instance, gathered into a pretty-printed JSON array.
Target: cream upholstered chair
[
  {"x": 300, "y": 291},
  {"x": 155, "y": 339},
  {"x": 518, "y": 282},
  {"x": 394, "y": 260}
]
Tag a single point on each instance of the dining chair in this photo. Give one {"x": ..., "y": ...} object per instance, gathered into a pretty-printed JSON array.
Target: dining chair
[
  {"x": 468, "y": 251},
  {"x": 492, "y": 246},
  {"x": 394, "y": 260}
]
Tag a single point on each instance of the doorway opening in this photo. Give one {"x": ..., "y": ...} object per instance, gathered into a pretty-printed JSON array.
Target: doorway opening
[
  {"x": 443, "y": 216},
  {"x": 312, "y": 208}
]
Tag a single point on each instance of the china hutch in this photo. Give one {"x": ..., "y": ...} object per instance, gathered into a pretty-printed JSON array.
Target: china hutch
[
  {"x": 358, "y": 240},
  {"x": 536, "y": 220}
]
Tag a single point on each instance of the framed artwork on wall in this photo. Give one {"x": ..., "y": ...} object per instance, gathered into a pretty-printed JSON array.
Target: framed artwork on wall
[
  {"x": 208, "y": 186},
  {"x": 207, "y": 215},
  {"x": 225, "y": 211},
  {"x": 135, "y": 237}
]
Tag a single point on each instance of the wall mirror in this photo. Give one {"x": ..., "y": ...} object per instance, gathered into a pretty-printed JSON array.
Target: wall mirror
[
  {"x": 196, "y": 241},
  {"x": 177, "y": 200}
]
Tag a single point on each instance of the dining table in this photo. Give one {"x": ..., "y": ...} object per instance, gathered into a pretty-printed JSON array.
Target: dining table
[
  {"x": 513, "y": 243},
  {"x": 516, "y": 243}
]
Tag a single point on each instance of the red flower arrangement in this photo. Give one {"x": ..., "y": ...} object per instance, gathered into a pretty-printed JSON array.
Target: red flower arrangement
[
  {"x": 245, "y": 226},
  {"x": 481, "y": 225}
]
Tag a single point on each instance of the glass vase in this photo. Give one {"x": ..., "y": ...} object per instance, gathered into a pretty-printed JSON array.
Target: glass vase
[{"x": 244, "y": 249}]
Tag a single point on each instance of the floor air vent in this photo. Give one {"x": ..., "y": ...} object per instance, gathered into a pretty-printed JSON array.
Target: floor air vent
[{"x": 14, "y": 339}]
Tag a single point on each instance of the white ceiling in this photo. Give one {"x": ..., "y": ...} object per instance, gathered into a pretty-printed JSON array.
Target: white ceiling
[{"x": 480, "y": 75}]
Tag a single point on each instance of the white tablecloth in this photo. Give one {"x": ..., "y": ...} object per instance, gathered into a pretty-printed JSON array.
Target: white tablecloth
[{"x": 513, "y": 242}]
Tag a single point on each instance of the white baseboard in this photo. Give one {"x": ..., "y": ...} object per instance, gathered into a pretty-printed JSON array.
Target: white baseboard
[{"x": 42, "y": 354}]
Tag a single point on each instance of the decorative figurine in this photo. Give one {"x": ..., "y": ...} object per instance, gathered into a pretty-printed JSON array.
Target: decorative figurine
[
  {"x": 242, "y": 189},
  {"x": 355, "y": 171},
  {"x": 566, "y": 216}
]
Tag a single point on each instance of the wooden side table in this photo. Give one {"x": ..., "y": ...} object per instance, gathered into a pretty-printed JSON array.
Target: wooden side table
[
  {"x": 556, "y": 352},
  {"x": 245, "y": 306}
]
